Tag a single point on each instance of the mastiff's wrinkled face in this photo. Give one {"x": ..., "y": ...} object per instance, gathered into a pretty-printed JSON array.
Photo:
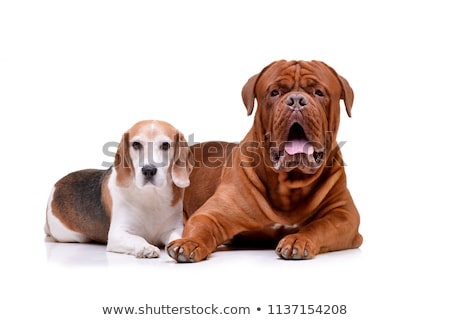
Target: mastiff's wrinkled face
[{"x": 298, "y": 112}]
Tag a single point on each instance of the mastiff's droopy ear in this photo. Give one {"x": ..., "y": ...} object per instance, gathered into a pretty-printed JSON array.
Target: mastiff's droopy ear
[
  {"x": 248, "y": 93},
  {"x": 347, "y": 91},
  {"x": 346, "y": 95}
]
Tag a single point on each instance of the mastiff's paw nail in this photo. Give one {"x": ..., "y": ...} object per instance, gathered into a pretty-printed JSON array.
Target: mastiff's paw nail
[
  {"x": 295, "y": 255},
  {"x": 173, "y": 252}
]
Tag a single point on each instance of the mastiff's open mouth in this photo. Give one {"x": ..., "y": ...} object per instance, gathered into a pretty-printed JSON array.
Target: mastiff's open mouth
[{"x": 298, "y": 151}]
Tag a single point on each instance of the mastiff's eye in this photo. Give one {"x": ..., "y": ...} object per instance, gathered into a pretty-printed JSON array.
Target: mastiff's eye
[
  {"x": 274, "y": 93},
  {"x": 165, "y": 146},
  {"x": 319, "y": 93},
  {"x": 136, "y": 145}
]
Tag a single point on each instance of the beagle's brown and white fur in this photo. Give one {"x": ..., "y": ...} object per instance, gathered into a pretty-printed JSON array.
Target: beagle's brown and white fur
[{"x": 136, "y": 205}]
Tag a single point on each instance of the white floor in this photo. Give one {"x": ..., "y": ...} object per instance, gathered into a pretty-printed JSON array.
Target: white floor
[
  {"x": 95, "y": 255},
  {"x": 368, "y": 284},
  {"x": 254, "y": 278},
  {"x": 75, "y": 281}
]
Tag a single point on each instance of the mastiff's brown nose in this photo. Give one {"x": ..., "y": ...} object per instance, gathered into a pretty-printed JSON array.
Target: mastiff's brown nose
[{"x": 296, "y": 101}]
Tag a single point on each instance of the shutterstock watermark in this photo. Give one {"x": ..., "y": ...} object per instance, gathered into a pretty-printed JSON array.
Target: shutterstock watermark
[{"x": 215, "y": 154}]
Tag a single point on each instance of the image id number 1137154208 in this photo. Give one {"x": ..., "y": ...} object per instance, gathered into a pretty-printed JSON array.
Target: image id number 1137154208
[{"x": 306, "y": 309}]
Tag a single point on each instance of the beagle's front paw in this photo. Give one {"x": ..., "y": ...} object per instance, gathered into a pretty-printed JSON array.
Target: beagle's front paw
[
  {"x": 134, "y": 246},
  {"x": 148, "y": 252},
  {"x": 187, "y": 250}
]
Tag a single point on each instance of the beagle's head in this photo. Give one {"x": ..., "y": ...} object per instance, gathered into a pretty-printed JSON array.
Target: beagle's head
[{"x": 153, "y": 153}]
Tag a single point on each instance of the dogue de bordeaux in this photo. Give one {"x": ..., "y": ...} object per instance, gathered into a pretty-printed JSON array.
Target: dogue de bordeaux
[{"x": 285, "y": 178}]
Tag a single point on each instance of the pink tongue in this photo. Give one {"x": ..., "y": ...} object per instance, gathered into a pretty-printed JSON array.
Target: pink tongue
[{"x": 298, "y": 146}]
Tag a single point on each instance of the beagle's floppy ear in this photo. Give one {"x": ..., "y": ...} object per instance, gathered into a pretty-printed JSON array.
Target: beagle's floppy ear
[
  {"x": 123, "y": 163},
  {"x": 182, "y": 162}
]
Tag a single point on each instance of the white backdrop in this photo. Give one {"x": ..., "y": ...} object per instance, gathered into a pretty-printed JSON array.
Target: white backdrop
[{"x": 75, "y": 75}]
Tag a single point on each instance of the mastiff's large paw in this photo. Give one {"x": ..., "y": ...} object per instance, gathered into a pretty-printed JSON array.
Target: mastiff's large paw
[
  {"x": 296, "y": 246},
  {"x": 187, "y": 250}
]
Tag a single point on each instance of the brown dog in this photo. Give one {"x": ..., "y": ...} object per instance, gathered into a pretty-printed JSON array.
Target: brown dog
[{"x": 286, "y": 175}]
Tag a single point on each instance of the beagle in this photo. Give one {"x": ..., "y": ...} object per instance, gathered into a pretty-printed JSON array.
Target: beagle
[{"x": 136, "y": 205}]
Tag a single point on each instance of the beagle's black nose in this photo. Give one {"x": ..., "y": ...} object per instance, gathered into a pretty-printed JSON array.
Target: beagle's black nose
[{"x": 149, "y": 170}]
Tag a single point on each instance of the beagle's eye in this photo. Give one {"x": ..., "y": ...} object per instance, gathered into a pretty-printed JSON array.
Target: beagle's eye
[
  {"x": 274, "y": 93},
  {"x": 136, "y": 145},
  {"x": 318, "y": 92},
  {"x": 165, "y": 146}
]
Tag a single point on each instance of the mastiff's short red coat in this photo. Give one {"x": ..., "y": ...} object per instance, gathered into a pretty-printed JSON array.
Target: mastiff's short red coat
[{"x": 286, "y": 177}]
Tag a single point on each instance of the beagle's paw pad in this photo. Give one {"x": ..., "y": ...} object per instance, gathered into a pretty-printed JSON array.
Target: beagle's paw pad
[
  {"x": 186, "y": 250},
  {"x": 148, "y": 252},
  {"x": 296, "y": 247}
]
